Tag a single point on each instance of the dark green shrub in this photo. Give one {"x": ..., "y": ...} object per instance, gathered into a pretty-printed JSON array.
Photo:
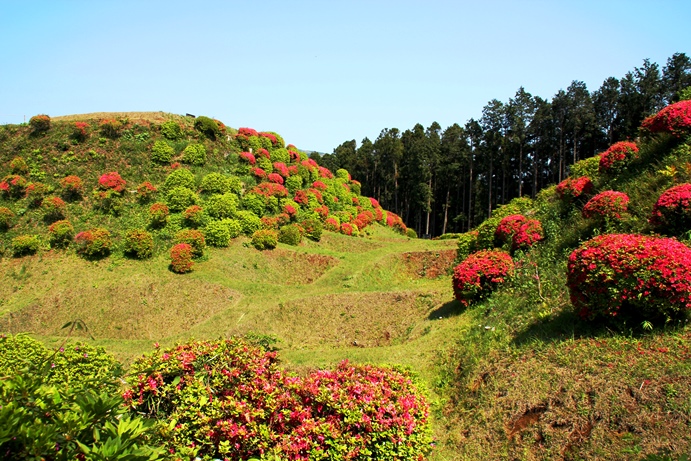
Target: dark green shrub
[
  {"x": 139, "y": 244},
  {"x": 290, "y": 234},
  {"x": 467, "y": 244},
  {"x": 110, "y": 128},
  {"x": 34, "y": 193},
  {"x": 13, "y": 186},
  {"x": 215, "y": 183},
  {"x": 39, "y": 123},
  {"x": 194, "y": 154},
  {"x": 217, "y": 234},
  {"x": 162, "y": 152},
  {"x": 194, "y": 238},
  {"x": 313, "y": 228},
  {"x": 265, "y": 239},
  {"x": 221, "y": 206},
  {"x": 249, "y": 222},
  {"x": 94, "y": 243},
  {"x": 23, "y": 245},
  {"x": 208, "y": 127},
  {"x": 6, "y": 218},
  {"x": 172, "y": 130},
  {"x": 61, "y": 233},
  {"x": 181, "y": 177},
  {"x": 179, "y": 198}
]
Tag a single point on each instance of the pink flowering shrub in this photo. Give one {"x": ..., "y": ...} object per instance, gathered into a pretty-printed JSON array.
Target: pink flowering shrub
[
  {"x": 282, "y": 169},
  {"x": 180, "y": 263},
  {"x": 571, "y": 189},
  {"x": 54, "y": 209},
  {"x": 112, "y": 181},
  {"x": 527, "y": 235},
  {"x": 80, "y": 130},
  {"x": 615, "y": 274},
  {"x": 618, "y": 156},
  {"x": 72, "y": 187},
  {"x": 348, "y": 229},
  {"x": 146, "y": 192},
  {"x": 332, "y": 224},
  {"x": 263, "y": 153},
  {"x": 248, "y": 157},
  {"x": 480, "y": 273},
  {"x": 395, "y": 222},
  {"x": 270, "y": 189},
  {"x": 246, "y": 133},
  {"x": 230, "y": 400},
  {"x": 507, "y": 227},
  {"x": 322, "y": 211},
  {"x": 259, "y": 173},
  {"x": 13, "y": 186},
  {"x": 93, "y": 243},
  {"x": 674, "y": 119},
  {"x": 325, "y": 173},
  {"x": 275, "y": 178},
  {"x": 290, "y": 210},
  {"x": 194, "y": 238},
  {"x": 609, "y": 204},
  {"x": 672, "y": 211}
]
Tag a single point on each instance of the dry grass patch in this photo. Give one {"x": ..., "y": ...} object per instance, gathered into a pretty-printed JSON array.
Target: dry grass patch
[
  {"x": 151, "y": 117},
  {"x": 429, "y": 264},
  {"x": 343, "y": 244}
]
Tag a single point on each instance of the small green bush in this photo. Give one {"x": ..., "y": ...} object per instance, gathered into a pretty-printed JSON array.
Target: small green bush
[
  {"x": 194, "y": 154},
  {"x": 290, "y": 234},
  {"x": 110, "y": 128},
  {"x": 221, "y": 206},
  {"x": 162, "y": 152},
  {"x": 179, "y": 198},
  {"x": 23, "y": 245},
  {"x": 467, "y": 244},
  {"x": 255, "y": 203},
  {"x": 172, "y": 130},
  {"x": 180, "y": 177},
  {"x": 72, "y": 187},
  {"x": 19, "y": 166},
  {"x": 158, "y": 214},
  {"x": 410, "y": 233},
  {"x": 294, "y": 183},
  {"x": 217, "y": 234},
  {"x": 249, "y": 222},
  {"x": 313, "y": 228},
  {"x": 139, "y": 244},
  {"x": 94, "y": 243},
  {"x": 54, "y": 209},
  {"x": 216, "y": 183},
  {"x": 146, "y": 192},
  {"x": 6, "y": 218},
  {"x": 265, "y": 239},
  {"x": 207, "y": 126},
  {"x": 234, "y": 227},
  {"x": 60, "y": 233},
  {"x": 193, "y": 238},
  {"x": 35, "y": 192}
]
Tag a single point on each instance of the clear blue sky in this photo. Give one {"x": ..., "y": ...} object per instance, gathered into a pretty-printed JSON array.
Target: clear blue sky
[{"x": 319, "y": 72}]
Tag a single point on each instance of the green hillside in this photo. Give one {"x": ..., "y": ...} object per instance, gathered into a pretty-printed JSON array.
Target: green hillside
[{"x": 515, "y": 373}]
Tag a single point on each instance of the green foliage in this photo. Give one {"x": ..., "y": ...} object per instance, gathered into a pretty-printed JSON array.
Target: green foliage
[
  {"x": 234, "y": 227},
  {"x": 39, "y": 123},
  {"x": 410, "y": 233},
  {"x": 60, "y": 233},
  {"x": 19, "y": 166},
  {"x": 139, "y": 244},
  {"x": 313, "y": 228},
  {"x": 194, "y": 154},
  {"x": 217, "y": 183},
  {"x": 110, "y": 128},
  {"x": 265, "y": 239},
  {"x": 172, "y": 130},
  {"x": 179, "y": 198},
  {"x": 162, "y": 152},
  {"x": 54, "y": 209},
  {"x": 23, "y": 245},
  {"x": 207, "y": 126},
  {"x": 221, "y": 206},
  {"x": 343, "y": 174},
  {"x": 255, "y": 203},
  {"x": 194, "y": 238},
  {"x": 217, "y": 234},
  {"x": 290, "y": 234},
  {"x": 587, "y": 167},
  {"x": 249, "y": 222},
  {"x": 94, "y": 243},
  {"x": 280, "y": 155},
  {"x": 181, "y": 177},
  {"x": 194, "y": 216}
]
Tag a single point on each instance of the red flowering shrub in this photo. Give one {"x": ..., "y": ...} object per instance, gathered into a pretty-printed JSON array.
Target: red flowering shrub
[
  {"x": 270, "y": 136},
  {"x": 363, "y": 219},
  {"x": 480, "y": 273},
  {"x": 395, "y": 222},
  {"x": 6, "y": 218},
  {"x": 194, "y": 238},
  {"x": 146, "y": 192},
  {"x": 39, "y": 123},
  {"x": 112, "y": 181},
  {"x": 248, "y": 157},
  {"x": 263, "y": 153},
  {"x": 275, "y": 178},
  {"x": 19, "y": 166},
  {"x": 322, "y": 211},
  {"x": 507, "y": 227},
  {"x": 233, "y": 401},
  {"x": 265, "y": 239},
  {"x": 110, "y": 128},
  {"x": 259, "y": 173},
  {"x": 618, "y": 156},
  {"x": 672, "y": 211},
  {"x": 282, "y": 169},
  {"x": 571, "y": 189},
  {"x": 629, "y": 274},
  {"x": 181, "y": 263},
  {"x": 80, "y": 130},
  {"x": 72, "y": 187},
  {"x": 608, "y": 204},
  {"x": 53, "y": 208},
  {"x": 332, "y": 224},
  {"x": 60, "y": 233},
  {"x": 13, "y": 186},
  {"x": 527, "y": 235},
  {"x": 93, "y": 243},
  {"x": 246, "y": 133},
  {"x": 139, "y": 244},
  {"x": 313, "y": 228},
  {"x": 194, "y": 216},
  {"x": 379, "y": 214},
  {"x": 290, "y": 210},
  {"x": 158, "y": 214},
  {"x": 270, "y": 189},
  {"x": 348, "y": 229},
  {"x": 325, "y": 173},
  {"x": 319, "y": 185},
  {"x": 674, "y": 119}
]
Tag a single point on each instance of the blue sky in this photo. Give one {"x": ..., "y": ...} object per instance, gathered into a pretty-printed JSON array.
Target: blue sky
[{"x": 319, "y": 72}]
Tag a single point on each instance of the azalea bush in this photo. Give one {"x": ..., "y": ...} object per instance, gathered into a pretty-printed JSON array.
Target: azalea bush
[
  {"x": 572, "y": 189},
  {"x": 249, "y": 222},
  {"x": 13, "y": 186},
  {"x": 507, "y": 227},
  {"x": 179, "y": 198},
  {"x": 19, "y": 166},
  {"x": 674, "y": 119},
  {"x": 172, "y": 130},
  {"x": 54, "y": 209},
  {"x": 6, "y": 218},
  {"x": 606, "y": 205},
  {"x": 229, "y": 400},
  {"x": 290, "y": 234},
  {"x": 39, "y": 123},
  {"x": 618, "y": 156},
  {"x": 313, "y": 228},
  {"x": 158, "y": 214},
  {"x": 94, "y": 243},
  {"x": 265, "y": 239},
  {"x": 146, "y": 192},
  {"x": 180, "y": 177},
  {"x": 480, "y": 273},
  {"x": 110, "y": 128},
  {"x": 194, "y": 238},
  {"x": 72, "y": 187},
  {"x": 221, "y": 206},
  {"x": 215, "y": 183},
  {"x": 80, "y": 131},
  {"x": 194, "y": 154},
  {"x": 112, "y": 181},
  {"x": 631, "y": 275},
  {"x": 529, "y": 233},
  {"x": 162, "y": 152},
  {"x": 60, "y": 233},
  {"x": 139, "y": 244},
  {"x": 23, "y": 245},
  {"x": 35, "y": 193},
  {"x": 194, "y": 216},
  {"x": 672, "y": 211},
  {"x": 181, "y": 258}
]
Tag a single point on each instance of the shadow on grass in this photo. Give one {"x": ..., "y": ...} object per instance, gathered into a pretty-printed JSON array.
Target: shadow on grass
[{"x": 446, "y": 310}]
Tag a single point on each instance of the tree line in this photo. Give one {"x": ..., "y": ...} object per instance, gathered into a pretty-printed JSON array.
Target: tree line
[{"x": 449, "y": 180}]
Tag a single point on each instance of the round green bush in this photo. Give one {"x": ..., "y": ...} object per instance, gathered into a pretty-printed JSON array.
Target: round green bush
[
  {"x": 194, "y": 154},
  {"x": 172, "y": 130},
  {"x": 290, "y": 234},
  {"x": 61, "y": 233},
  {"x": 255, "y": 203},
  {"x": 294, "y": 183},
  {"x": 233, "y": 226},
  {"x": 139, "y": 244},
  {"x": 19, "y": 166},
  {"x": 313, "y": 228},
  {"x": 23, "y": 245},
  {"x": 181, "y": 177},
  {"x": 217, "y": 234},
  {"x": 249, "y": 222},
  {"x": 221, "y": 206},
  {"x": 94, "y": 243},
  {"x": 410, "y": 233},
  {"x": 207, "y": 126},
  {"x": 179, "y": 198},
  {"x": 216, "y": 183},
  {"x": 162, "y": 152},
  {"x": 6, "y": 218},
  {"x": 265, "y": 239}
]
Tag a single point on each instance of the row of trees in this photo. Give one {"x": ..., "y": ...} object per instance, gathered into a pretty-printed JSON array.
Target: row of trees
[{"x": 449, "y": 180}]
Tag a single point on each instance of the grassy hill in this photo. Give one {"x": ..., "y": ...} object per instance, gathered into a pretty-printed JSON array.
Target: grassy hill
[{"x": 516, "y": 375}]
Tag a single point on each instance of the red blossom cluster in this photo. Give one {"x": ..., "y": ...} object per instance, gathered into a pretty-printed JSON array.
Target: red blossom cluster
[
  {"x": 146, "y": 190},
  {"x": 395, "y": 222},
  {"x": 112, "y": 181},
  {"x": 270, "y": 136},
  {"x": 319, "y": 185},
  {"x": 322, "y": 211},
  {"x": 325, "y": 173},
  {"x": 363, "y": 219},
  {"x": 259, "y": 173},
  {"x": 527, "y": 235},
  {"x": 332, "y": 224},
  {"x": 263, "y": 153},
  {"x": 618, "y": 156},
  {"x": 282, "y": 169},
  {"x": 248, "y": 157},
  {"x": 13, "y": 186},
  {"x": 347, "y": 228},
  {"x": 158, "y": 213},
  {"x": 374, "y": 202},
  {"x": 614, "y": 274},
  {"x": 674, "y": 119},
  {"x": 290, "y": 210},
  {"x": 270, "y": 189},
  {"x": 72, "y": 186},
  {"x": 508, "y": 226},
  {"x": 480, "y": 273},
  {"x": 93, "y": 243},
  {"x": 80, "y": 130},
  {"x": 181, "y": 263},
  {"x": 275, "y": 178},
  {"x": 571, "y": 189},
  {"x": 246, "y": 133},
  {"x": 608, "y": 204},
  {"x": 672, "y": 211},
  {"x": 293, "y": 153}
]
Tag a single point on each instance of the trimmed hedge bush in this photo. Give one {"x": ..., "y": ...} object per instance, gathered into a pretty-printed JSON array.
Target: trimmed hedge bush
[
  {"x": 72, "y": 187},
  {"x": 194, "y": 154},
  {"x": 139, "y": 244},
  {"x": 179, "y": 198},
  {"x": 221, "y": 206},
  {"x": 181, "y": 258},
  {"x": 158, "y": 214},
  {"x": 162, "y": 152},
  {"x": 24, "y": 245},
  {"x": 39, "y": 123},
  {"x": 217, "y": 234},
  {"x": 249, "y": 222},
  {"x": 94, "y": 243},
  {"x": 672, "y": 211},
  {"x": 480, "y": 273},
  {"x": 53, "y": 208},
  {"x": 572, "y": 189},
  {"x": 290, "y": 234},
  {"x": 606, "y": 205},
  {"x": 181, "y": 177},
  {"x": 194, "y": 238},
  {"x": 618, "y": 156},
  {"x": 265, "y": 239},
  {"x": 61, "y": 233}
]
